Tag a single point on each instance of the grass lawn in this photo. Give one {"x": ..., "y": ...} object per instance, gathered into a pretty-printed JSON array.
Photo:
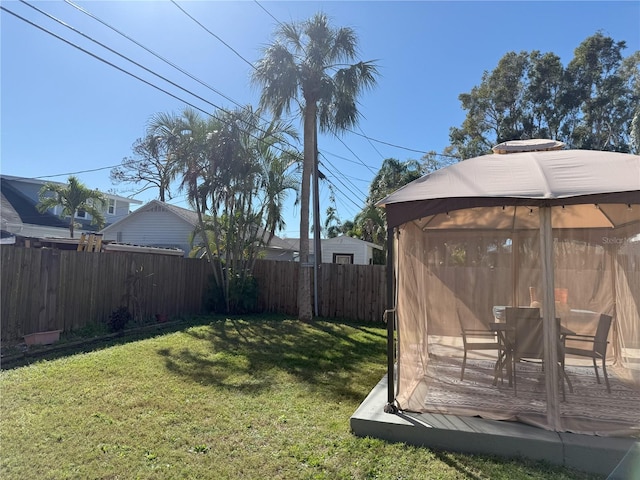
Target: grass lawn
[{"x": 252, "y": 398}]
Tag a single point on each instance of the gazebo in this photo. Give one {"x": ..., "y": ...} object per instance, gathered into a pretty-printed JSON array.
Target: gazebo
[{"x": 532, "y": 229}]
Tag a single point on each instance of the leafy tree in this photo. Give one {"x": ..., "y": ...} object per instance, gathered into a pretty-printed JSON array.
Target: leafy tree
[
  {"x": 72, "y": 197},
  {"x": 392, "y": 175},
  {"x": 630, "y": 71},
  {"x": 370, "y": 224},
  {"x": 596, "y": 75},
  {"x": 307, "y": 64},
  {"x": 589, "y": 104},
  {"x": 152, "y": 163}
]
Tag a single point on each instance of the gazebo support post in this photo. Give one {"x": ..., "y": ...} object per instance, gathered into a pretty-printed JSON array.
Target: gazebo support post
[
  {"x": 551, "y": 334},
  {"x": 390, "y": 316}
]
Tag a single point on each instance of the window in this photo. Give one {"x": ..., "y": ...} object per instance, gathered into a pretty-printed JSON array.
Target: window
[
  {"x": 111, "y": 208},
  {"x": 343, "y": 258},
  {"x": 81, "y": 213}
]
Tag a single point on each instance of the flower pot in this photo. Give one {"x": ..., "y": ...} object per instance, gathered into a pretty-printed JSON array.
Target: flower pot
[{"x": 42, "y": 338}]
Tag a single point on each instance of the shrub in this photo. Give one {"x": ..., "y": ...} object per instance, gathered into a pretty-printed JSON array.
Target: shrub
[
  {"x": 243, "y": 295},
  {"x": 119, "y": 319}
]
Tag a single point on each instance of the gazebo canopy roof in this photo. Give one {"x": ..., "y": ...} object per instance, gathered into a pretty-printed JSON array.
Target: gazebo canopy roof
[{"x": 531, "y": 178}]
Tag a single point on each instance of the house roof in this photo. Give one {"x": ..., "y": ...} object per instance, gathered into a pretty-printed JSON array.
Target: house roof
[
  {"x": 11, "y": 221},
  {"x": 294, "y": 243},
  {"x": 24, "y": 207},
  {"x": 37, "y": 181},
  {"x": 188, "y": 216}
]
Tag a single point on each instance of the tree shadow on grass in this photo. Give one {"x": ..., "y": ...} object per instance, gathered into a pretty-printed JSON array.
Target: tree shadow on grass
[{"x": 251, "y": 355}]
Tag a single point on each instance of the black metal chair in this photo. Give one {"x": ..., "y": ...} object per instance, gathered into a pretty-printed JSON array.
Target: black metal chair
[
  {"x": 477, "y": 339},
  {"x": 524, "y": 337},
  {"x": 595, "y": 346},
  {"x": 526, "y": 342}
]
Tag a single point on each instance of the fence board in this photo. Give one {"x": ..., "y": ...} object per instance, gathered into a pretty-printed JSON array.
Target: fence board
[{"x": 46, "y": 289}]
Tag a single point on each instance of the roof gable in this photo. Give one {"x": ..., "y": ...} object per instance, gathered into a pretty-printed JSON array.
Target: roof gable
[
  {"x": 36, "y": 181},
  {"x": 294, "y": 243},
  {"x": 345, "y": 239},
  {"x": 188, "y": 216}
]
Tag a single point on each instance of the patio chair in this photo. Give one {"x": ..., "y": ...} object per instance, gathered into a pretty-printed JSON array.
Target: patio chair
[
  {"x": 477, "y": 339},
  {"x": 593, "y": 346},
  {"x": 524, "y": 338},
  {"x": 526, "y": 342}
]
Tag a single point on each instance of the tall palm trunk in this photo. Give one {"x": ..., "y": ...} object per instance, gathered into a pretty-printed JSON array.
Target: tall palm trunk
[{"x": 304, "y": 277}]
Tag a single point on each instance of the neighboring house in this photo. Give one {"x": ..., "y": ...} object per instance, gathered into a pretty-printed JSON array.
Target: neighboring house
[
  {"x": 349, "y": 250},
  {"x": 158, "y": 224},
  {"x": 155, "y": 224},
  {"x": 23, "y": 218},
  {"x": 342, "y": 249}
]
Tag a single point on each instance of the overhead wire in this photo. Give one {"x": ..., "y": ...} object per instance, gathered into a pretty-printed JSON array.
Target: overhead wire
[
  {"x": 168, "y": 62},
  {"x": 97, "y": 57},
  {"x": 267, "y": 12},
  {"x": 164, "y": 78},
  {"x": 211, "y": 33},
  {"x": 148, "y": 70},
  {"x": 246, "y": 61}
]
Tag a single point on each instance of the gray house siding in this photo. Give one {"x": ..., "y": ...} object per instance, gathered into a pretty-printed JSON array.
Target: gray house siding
[
  {"x": 156, "y": 228},
  {"x": 159, "y": 224}
]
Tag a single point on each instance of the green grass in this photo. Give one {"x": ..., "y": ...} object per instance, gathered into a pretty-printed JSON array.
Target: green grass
[{"x": 255, "y": 398}]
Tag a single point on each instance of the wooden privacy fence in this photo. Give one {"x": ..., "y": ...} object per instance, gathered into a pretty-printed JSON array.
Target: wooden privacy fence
[
  {"x": 356, "y": 292},
  {"x": 46, "y": 289}
]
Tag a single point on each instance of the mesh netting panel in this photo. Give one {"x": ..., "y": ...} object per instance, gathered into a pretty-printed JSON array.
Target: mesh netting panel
[{"x": 456, "y": 279}]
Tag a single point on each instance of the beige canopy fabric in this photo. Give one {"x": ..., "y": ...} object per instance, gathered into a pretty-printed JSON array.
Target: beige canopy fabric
[
  {"x": 556, "y": 230},
  {"x": 565, "y": 177}
]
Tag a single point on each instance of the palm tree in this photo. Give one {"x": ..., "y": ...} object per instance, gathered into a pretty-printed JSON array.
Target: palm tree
[
  {"x": 235, "y": 180},
  {"x": 185, "y": 137},
  {"x": 73, "y": 197},
  {"x": 279, "y": 172},
  {"x": 308, "y": 64}
]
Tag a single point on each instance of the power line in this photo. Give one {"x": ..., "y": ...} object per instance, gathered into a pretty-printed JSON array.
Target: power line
[
  {"x": 68, "y": 42},
  {"x": 211, "y": 33},
  {"x": 168, "y": 62},
  {"x": 267, "y": 12},
  {"x": 159, "y": 76},
  {"x": 76, "y": 173},
  {"x": 241, "y": 106},
  {"x": 401, "y": 147},
  {"x": 126, "y": 72},
  {"x": 349, "y": 189},
  {"x": 121, "y": 55},
  {"x": 370, "y": 143}
]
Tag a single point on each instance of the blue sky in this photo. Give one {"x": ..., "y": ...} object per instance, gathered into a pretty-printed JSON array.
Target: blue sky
[{"x": 63, "y": 111}]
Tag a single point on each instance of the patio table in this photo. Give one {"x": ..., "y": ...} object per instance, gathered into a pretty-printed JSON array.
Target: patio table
[{"x": 505, "y": 358}]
